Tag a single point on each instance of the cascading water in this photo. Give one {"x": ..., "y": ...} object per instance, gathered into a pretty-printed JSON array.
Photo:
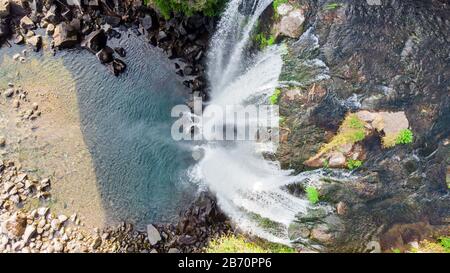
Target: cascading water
[{"x": 248, "y": 187}]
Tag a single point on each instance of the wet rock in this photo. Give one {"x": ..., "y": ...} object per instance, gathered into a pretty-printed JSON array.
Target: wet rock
[
  {"x": 65, "y": 36},
  {"x": 26, "y": 23},
  {"x": 51, "y": 16},
  {"x": 147, "y": 22},
  {"x": 153, "y": 235},
  {"x": 4, "y": 30},
  {"x": 291, "y": 25},
  {"x": 105, "y": 55},
  {"x": 117, "y": 67},
  {"x": 121, "y": 51},
  {"x": 35, "y": 42},
  {"x": 114, "y": 21},
  {"x": 95, "y": 41}
]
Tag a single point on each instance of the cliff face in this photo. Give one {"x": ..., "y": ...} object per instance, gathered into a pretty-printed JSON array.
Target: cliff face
[{"x": 391, "y": 57}]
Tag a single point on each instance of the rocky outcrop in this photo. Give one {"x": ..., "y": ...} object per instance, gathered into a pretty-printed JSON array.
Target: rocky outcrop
[
  {"x": 65, "y": 36},
  {"x": 391, "y": 85}
]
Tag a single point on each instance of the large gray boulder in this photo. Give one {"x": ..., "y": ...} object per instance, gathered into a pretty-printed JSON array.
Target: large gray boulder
[
  {"x": 291, "y": 25},
  {"x": 65, "y": 36}
]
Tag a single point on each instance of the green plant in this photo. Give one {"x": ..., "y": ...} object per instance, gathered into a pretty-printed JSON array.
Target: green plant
[
  {"x": 312, "y": 194},
  {"x": 354, "y": 164},
  {"x": 187, "y": 7},
  {"x": 239, "y": 244},
  {"x": 405, "y": 137},
  {"x": 264, "y": 42},
  {"x": 275, "y": 98},
  {"x": 445, "y": 243},
  {"x": 396, "y": 250},
  {"x": 277, "y": 3},
  {"x": 333, "y": 6}
]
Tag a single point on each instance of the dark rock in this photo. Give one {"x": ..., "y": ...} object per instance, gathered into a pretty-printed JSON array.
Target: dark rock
[
  {"x": 148, "y": 23},
  {"x": 114, "y": 21},
  {"x": 4, "y": 30},
  {"x": 95, "y": 41},
  {"x": 105, "y": 55},
  {"x": 117, "y": 67},
  {"x": 121, "y": 51}
]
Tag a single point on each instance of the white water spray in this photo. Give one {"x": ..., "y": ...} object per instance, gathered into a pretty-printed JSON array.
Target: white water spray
[{"x": 245, "y": 183}]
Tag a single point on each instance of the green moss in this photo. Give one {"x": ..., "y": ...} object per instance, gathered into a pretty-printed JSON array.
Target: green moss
[
  {"x": 263, "y": 41},
  {"x": 277, "y": 3},
  {"x": 274, "y": 99},
  {"x": 396, "y": 250},
  {"x": 312, "y": 194},
  {"x": 333, "y": 6},
  {"x": 239, "y": 244},
  {"x": 354, "y": 164},
  {"x": 351, "y": 131},
  {"x": 405, "y": 137}
]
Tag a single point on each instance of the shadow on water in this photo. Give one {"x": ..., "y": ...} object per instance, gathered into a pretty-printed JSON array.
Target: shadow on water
[{"x": 141, "y": 171}]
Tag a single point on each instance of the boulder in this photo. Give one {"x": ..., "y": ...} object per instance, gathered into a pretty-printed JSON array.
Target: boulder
[
  {"x": 105, "y": 55},
  {"x": 4, "y": 30},
  {"x": 117, "y": 67},
  {"x": 291, "y": 25},
  {"x": 65, "y": 36},
  {"x": 153, "y": 235},
  {"x": 5, "y": 8},
  {"x": 26, "y": 23},
  {"x": 114, "y": 21},
  {"x": 35, "y": 42},
  {"x": 148, "y": 23},
  {"x": 95, "y": 41},
  {"x": 121, "y": 51}
]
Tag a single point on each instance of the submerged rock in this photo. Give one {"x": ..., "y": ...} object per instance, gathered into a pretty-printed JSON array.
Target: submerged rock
[{"x": 153, "y": 235}]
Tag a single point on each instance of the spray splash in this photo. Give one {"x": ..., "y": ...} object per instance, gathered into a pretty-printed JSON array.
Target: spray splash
[{"x": 247, "y": 186}]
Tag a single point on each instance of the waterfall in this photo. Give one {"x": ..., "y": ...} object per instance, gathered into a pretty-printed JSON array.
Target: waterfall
[
  {"x": 245, "y": 183},
  {"x": 248, "y": 187}
]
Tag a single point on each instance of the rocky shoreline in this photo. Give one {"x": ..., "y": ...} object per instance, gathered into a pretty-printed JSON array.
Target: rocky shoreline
[
  {"x": 34, "y": 230},
  {"x": 183, "y": 39}
]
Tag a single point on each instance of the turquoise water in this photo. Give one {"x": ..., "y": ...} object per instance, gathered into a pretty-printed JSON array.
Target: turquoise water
[{"x": 141, "y": 172}]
